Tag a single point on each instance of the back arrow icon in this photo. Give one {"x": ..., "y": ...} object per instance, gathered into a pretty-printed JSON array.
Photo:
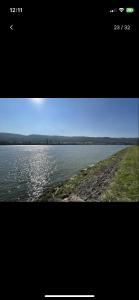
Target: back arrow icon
[{"x": 11, "y": 27}]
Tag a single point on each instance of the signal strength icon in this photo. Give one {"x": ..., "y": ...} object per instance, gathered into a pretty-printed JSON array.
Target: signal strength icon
[{"x": 113, "y": 10}]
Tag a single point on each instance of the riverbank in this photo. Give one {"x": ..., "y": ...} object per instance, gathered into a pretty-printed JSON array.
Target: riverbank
[{"x": 113, "y": 179}]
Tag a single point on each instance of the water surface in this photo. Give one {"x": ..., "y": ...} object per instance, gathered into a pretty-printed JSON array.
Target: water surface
[{"x": 26, "y": 171}]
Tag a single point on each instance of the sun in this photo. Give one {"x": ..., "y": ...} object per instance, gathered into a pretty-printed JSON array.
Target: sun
[{"x": 37, "y": 100}]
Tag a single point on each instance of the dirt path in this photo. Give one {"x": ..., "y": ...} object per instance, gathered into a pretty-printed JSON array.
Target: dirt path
[{"x": 91, "y": 188}]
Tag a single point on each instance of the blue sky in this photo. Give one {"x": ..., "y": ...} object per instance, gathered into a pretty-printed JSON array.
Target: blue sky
[{"x": 85, "y": 117}]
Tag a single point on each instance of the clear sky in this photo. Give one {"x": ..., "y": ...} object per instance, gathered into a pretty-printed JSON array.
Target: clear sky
[{"x": 73, "y": 117}]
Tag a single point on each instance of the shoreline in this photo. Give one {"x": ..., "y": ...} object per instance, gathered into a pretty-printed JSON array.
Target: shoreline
[{"x": 90, "y": 184}]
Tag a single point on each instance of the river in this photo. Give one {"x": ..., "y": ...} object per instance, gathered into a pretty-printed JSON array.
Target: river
[{"x": 26, "y": 171}]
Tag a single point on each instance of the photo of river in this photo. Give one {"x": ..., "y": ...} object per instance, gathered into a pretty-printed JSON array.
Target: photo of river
[{"x": 28, "y": 170}]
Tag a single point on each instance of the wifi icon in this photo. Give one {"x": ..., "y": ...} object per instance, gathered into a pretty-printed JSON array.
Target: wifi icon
[{"x": 121, "y": 9}]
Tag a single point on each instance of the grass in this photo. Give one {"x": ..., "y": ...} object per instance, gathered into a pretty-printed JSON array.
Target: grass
[{"x": 125, "y": 184}]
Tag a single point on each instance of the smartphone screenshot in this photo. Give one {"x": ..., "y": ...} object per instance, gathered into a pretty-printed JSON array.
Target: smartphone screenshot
[{"x": 69, "y": 150}]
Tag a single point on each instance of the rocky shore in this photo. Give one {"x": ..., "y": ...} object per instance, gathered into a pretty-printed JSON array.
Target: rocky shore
[{"x": 89, "y": 184}]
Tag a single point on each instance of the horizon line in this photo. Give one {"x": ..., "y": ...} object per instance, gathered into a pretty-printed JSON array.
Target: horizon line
[{"x": 129, "y": 137}]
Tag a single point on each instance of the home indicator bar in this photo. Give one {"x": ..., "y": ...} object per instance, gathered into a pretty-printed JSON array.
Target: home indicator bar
[{"x": 69, "y": 296}]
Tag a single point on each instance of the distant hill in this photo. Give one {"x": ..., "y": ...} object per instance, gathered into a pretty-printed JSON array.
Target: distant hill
[{"x": 19, "y": 139}]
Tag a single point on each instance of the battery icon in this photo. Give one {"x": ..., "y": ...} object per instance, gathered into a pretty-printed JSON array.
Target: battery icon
[{"x": 130, "y": 9}]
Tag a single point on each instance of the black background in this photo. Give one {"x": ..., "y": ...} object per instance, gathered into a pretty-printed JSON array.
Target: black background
[
  {"x": 68, "y": 49},
  {"x": 72, "y": 248},
  {"x": 69, "y": 248}
]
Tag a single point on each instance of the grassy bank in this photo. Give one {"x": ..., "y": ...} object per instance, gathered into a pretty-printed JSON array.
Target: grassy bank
[
  {"x": 125, "y": 184},
  {"x": 113, "y": 179}
]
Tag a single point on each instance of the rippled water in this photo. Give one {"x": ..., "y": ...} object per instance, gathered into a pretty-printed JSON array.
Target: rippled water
[{"x": 26, "y": 171}]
